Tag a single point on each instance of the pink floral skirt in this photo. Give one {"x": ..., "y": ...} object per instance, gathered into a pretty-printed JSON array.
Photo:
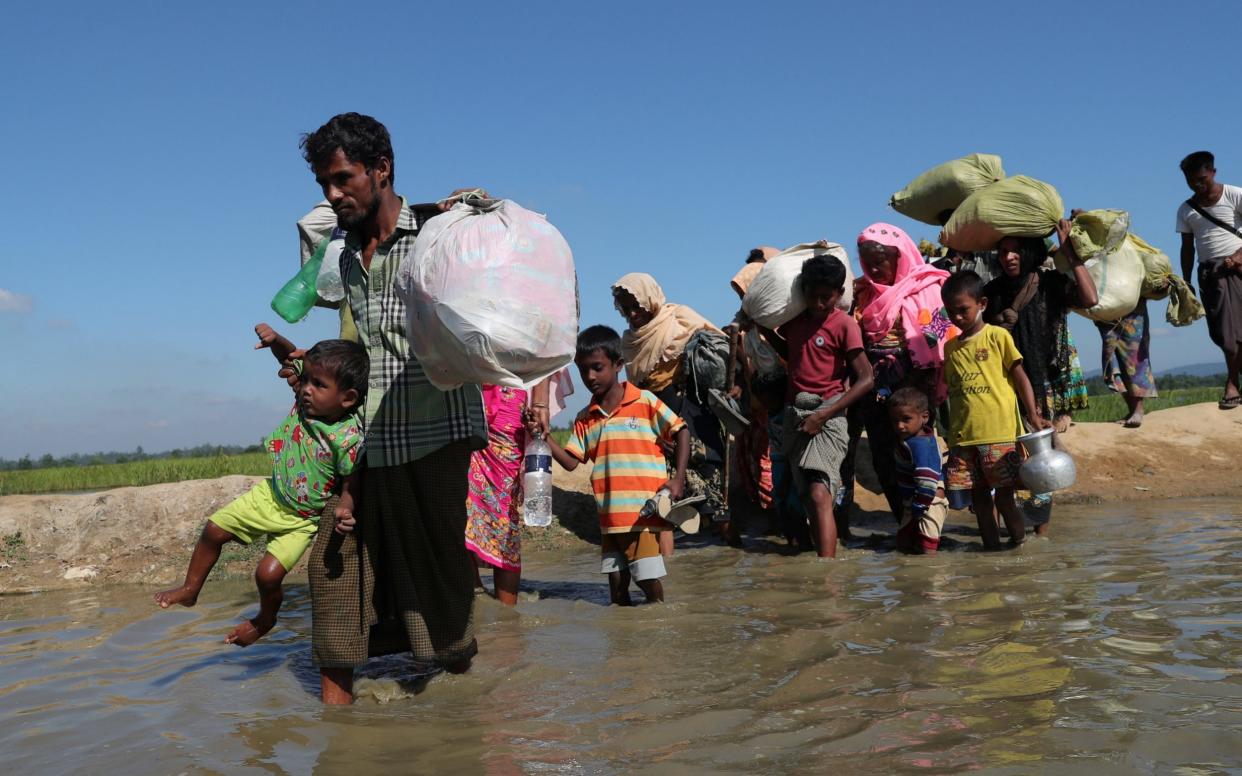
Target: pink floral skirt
[{"x": 493, "y": 526}]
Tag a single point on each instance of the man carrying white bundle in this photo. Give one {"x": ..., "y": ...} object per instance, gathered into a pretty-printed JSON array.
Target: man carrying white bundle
[{"x": 412, "y": 565}]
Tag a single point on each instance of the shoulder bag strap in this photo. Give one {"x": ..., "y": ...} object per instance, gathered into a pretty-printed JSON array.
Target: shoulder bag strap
[{"x": 1231, "y": 229}]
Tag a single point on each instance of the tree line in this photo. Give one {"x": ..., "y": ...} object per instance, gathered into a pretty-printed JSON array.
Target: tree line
[{"x": 99, "y": 459}]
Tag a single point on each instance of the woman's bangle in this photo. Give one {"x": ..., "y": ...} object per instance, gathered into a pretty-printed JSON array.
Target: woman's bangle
[{"x": 539, "y": 406}]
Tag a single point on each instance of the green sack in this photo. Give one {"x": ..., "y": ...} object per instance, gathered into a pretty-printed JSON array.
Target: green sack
[
  {"x": 1097, "y": 232},
  {"x": 946, "y": 186},
  {"x": 1015, "y": 207},
  {"x": 1184, "y": 307},
  {"x": 1157, "y": 269}
]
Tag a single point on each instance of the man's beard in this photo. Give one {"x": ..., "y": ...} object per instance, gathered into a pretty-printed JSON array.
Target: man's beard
[{"x": 353, "y": 222}]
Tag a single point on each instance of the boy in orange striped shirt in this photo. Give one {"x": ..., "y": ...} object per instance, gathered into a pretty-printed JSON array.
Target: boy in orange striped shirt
[{"x": 621, "y": 432}]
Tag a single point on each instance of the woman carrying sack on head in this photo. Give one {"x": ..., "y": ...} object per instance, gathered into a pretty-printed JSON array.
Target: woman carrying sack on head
[
  {"x": 1033, "y": 303},
  {"x": 904, "y": 327},
  {"x": 655, "y": 350}
]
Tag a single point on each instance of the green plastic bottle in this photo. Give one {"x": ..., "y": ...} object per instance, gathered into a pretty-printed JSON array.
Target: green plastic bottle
[{"x": 296, "y": 298}]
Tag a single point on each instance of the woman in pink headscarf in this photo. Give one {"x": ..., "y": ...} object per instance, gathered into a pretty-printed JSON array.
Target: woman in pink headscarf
[{"x": 897, "y": 304}]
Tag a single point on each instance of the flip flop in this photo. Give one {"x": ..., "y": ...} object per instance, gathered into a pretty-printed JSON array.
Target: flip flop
[
  {"x": 685, "y": 514},
  {"x": 1229, "y": 402},
  {"x": 725, "y": 408}
]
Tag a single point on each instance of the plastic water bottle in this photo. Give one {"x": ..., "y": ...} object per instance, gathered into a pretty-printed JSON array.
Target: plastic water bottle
[
  {"x": 537, "y": 483},
  {"x": 296, "y": 298}
]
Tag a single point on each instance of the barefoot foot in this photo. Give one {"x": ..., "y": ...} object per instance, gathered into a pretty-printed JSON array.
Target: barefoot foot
[
  {"x": 248, "y": 633},
  {"x": 459, "y": 667},
  {"x": 177, "y": 595},
  {"x": 1134, "y": 421}
]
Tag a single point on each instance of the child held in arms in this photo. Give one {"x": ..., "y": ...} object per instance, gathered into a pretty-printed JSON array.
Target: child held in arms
[
  {"x": 315, "y": 452},
  {"x": 986, "y": 381},
  {"x": 621, "y": 431}
]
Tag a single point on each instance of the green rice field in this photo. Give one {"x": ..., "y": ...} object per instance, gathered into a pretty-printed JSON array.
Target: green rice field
[
  {"x": 116, "y": 475},
  {"x": 1105, "y": 408}
]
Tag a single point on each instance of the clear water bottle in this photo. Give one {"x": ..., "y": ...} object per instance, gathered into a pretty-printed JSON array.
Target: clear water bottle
[{"x": 537, "y": 483}]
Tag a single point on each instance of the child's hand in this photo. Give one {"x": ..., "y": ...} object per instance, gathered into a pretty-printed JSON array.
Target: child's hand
[
  {"x": 814, "y": 423},
  {"x": 345, "y": 520},
  {"x": 267, "y": 336},
  {"x": 533, "y": 422},
  {"x": 288, "y": 371},
  {"x": 1040, "y": 423},
  {"x": 676, "y": 488}
]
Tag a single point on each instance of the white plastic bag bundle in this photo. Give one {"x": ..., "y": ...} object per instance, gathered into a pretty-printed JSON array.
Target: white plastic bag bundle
[
  {"x": 491, "y": 296},
  {"x": 775, "y": 296},
  {"x": 1118, "y": 278}
]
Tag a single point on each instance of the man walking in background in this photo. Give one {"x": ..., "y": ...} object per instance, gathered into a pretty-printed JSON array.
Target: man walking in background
[{"x": 1209, "y": 223}]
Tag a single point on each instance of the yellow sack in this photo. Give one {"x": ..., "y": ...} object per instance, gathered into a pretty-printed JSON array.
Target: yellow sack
[
  {"x": 1184, "y": 307},
  {"x": 1158, "y": 270},
  {"x": 1015, "y": 207},
  {"x": 946, "y": 186},
  {"x": 1096, "y": 232}
]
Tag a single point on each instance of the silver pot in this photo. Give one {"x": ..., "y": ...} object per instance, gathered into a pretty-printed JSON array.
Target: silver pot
[{"x": 1045, "y": 469}]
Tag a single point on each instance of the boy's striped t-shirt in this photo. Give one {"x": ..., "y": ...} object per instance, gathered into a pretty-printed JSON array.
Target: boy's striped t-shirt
[{"x": 629, "y": 463}]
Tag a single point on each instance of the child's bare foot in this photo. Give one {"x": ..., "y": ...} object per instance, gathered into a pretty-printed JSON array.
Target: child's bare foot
[
  {"x": 248, "y": 633},
  {"x": 1135, "y": 420},
  {"x": 176, "y": 595}
]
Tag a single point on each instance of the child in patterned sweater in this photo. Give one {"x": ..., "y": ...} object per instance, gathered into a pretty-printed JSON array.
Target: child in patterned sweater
[
  {"x": 918, "y": 473},
  {"x": 315, "y": 452}
]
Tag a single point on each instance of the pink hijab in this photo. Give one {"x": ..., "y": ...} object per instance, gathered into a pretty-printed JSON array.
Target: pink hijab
[{"x": 913, "y": 299}]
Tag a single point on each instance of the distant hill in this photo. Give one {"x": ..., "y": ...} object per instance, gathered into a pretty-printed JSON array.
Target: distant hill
[{"x": 1198, "y": 370}]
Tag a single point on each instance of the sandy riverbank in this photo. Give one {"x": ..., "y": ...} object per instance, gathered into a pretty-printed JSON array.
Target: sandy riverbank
[{"x": 130, "y": 535}]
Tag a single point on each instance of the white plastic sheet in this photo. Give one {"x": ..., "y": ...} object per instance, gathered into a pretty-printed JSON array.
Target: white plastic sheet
[{"x": 491, "y": 296}]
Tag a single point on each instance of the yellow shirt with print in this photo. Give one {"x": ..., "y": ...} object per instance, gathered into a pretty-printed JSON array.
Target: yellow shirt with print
[{"x": 983, "y": 406}]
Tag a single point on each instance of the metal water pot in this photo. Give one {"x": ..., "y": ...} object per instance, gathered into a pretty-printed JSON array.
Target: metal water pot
[{"x": 1045, "y": 469}]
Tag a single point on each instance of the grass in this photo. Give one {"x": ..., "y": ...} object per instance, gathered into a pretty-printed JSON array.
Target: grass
[
  {"x": 1105, "y": 408},
  {"x": 116, "y": 475},
  {"x": 13, "y": 546}
]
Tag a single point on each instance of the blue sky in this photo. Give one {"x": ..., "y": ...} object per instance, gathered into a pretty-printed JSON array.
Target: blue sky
[{"x": 153, "y": 175}]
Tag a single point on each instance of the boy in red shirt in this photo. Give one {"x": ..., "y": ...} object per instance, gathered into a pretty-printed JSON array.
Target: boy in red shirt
[{"x": 828, "y": 372}]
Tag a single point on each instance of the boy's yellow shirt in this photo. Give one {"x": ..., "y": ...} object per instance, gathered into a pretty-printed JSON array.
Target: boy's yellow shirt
[{"x": 983, "y": 406}]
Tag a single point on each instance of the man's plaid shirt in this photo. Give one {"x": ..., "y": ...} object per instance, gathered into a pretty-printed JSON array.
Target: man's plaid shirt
[{"x": 406, "y": 416}]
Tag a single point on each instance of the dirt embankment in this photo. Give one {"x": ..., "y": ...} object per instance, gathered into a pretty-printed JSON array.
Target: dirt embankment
[{"x": 145, "y": 534}]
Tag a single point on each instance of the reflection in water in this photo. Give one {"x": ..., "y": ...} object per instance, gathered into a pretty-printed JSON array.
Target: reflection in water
[{"x": 1114, "y": 648}]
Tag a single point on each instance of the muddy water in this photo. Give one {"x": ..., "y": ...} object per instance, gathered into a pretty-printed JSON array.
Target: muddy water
[{"x": 1112, "y": 649}]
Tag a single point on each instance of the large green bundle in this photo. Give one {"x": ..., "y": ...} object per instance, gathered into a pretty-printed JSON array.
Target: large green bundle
[
  {"x": 1096, "y": 232},
  {"x": 945, "y": 186},
  {"x": 1157, "y": 269},
  {"x": 1015, "y": 207}
]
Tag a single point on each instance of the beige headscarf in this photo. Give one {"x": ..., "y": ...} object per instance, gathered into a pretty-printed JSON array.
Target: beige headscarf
[
  {"x": 746, "y": 276},
  {"x": 665, "y": 336}
]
